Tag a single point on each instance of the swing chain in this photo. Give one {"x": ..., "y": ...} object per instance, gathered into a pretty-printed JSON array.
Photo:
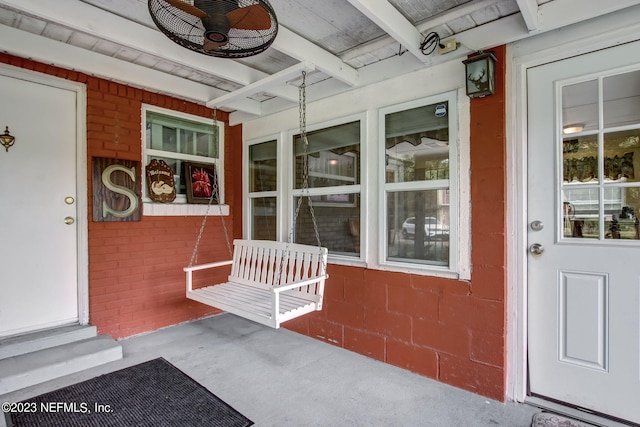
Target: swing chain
[
  {"x": 215, "y": 194},
  {"x": 302, "y": 104}
]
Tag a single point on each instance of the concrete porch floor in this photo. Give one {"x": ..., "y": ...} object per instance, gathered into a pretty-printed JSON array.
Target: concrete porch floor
[{"x": 281, "y": 378}]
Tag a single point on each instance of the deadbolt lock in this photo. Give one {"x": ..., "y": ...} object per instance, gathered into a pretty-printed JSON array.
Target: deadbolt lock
[{"x": 537, "y": 225}]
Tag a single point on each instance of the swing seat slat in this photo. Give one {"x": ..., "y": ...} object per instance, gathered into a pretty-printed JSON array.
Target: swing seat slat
[{"x": 270, "y": 282}]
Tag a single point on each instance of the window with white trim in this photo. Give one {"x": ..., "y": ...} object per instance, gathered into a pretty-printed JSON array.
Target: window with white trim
[
  {"x": 420, "y": 186},
  {"x": 176, "y": 138},
  {"x": 263, "y": 190},
  {"x": 334, "y": 170}
]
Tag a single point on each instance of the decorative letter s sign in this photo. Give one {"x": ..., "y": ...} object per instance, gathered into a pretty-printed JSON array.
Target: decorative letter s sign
[{"x": 116, "y": 190}]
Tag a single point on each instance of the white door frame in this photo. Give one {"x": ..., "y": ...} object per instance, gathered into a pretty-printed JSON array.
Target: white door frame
[
  {"x": 610, "y": 30},
  {"x": 81, "y": 174}
]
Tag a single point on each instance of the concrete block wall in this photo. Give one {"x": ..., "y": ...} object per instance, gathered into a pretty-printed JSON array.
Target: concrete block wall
[{"x": 450, "y": 330}]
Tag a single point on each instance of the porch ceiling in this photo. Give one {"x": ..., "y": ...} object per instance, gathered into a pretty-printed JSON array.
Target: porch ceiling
[{"x": 343, "y": 44}]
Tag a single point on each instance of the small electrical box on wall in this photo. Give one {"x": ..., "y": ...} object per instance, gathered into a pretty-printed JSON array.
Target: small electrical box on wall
[{"x": 447, "y": 46}]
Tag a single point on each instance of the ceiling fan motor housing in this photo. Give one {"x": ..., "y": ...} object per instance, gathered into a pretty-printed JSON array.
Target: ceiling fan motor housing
[
  {"x": 217, "y": 28},
  {"x": 216, "y": 24}
]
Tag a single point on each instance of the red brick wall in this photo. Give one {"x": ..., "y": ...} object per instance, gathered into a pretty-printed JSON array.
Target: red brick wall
[
  {"x": 136, "y": 283},
  {"x": 449, "y": 330}
]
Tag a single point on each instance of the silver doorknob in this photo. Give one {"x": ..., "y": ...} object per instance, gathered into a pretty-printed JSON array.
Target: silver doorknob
[
  {"x": 536, "y": 249},
  {"x": 69, "y": 220}
]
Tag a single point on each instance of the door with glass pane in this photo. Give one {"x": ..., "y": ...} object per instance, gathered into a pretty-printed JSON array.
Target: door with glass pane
[{"x": 584, "y": 246}]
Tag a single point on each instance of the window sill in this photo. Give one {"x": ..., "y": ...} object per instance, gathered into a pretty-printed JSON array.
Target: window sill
[
  {"x": 183, "y": 209},
  {"x": 346, "y": 260},
  {"x": 419, "y": 270}
]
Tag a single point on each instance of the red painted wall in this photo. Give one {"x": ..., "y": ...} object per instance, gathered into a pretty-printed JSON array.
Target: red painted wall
[
  {"x": 136, "y": 283},
  {"x": 449, "y": 330}
]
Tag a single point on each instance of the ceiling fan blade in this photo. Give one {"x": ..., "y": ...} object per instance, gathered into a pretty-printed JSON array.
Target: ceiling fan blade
[
  {"x": 250, "y": 18},
  {"x": 187, "y": 8},
  {"x": 209, "y": 46}
]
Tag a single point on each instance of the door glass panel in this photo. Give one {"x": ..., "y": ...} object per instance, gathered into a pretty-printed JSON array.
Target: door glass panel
[
  {"x": 621, "y": 207},
  {"x": 600, "y": 197},
  {"x": 580, "y": 107},
  {"x": 580, "y": 212},
  {"x": 580, "y": 158},
  {"x": 621, "y": 155},
  {"x": 621, "y": 99}
]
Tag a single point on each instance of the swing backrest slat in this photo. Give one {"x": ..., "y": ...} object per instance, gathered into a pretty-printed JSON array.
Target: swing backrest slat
[{"x": 265, "y": 263}]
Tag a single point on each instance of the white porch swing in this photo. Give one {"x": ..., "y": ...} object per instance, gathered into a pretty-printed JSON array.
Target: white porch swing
[{"x": 270, "y": 282}]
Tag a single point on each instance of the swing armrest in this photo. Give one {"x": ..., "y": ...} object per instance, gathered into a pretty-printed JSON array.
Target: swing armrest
[
  {"x": 299, "y": 283},
  {"x": 190, "y": 270},
  {"x": 206, "y": 266}
]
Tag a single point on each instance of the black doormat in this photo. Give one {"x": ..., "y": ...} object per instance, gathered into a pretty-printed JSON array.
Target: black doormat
[{"x": 153, "y": 393}]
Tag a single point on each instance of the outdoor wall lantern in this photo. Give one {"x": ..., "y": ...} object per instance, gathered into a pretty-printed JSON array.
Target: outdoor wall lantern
[
  {"x": 7, "y": 139},
  {"x": 481, "y": 76}
]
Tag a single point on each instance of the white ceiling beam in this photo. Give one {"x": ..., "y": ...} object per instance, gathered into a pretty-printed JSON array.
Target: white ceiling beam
[
  {"x": 49, "y": 51},
  {"x": 552, "y": 15},
  {"x": 394, "y": 23},
  {"x": 424, "y": 26},
  {"x": 303, "y": 50},
  {"x": 246, "y": 105},
  {"x": 82, "y": 17},
  {"x": 262, "y": 85},
  {"x": 529, "y": 12}
]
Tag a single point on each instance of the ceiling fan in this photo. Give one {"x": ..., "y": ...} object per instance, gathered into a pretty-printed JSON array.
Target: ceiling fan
[{"x": 222, "y": 28}]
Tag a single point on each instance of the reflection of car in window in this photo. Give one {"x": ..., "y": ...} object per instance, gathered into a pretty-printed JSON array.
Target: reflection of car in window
[{"x": 432, "y": 228}]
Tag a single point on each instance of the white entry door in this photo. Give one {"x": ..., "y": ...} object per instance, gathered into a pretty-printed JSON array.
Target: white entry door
[
  {"x": 38, "y": 236},
  {"x": 583, "y": 231}
]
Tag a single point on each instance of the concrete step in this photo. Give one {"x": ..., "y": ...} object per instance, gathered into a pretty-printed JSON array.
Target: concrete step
[
  {"x": 46, "y": 338},
  {"x": 43, "y": 365}
]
